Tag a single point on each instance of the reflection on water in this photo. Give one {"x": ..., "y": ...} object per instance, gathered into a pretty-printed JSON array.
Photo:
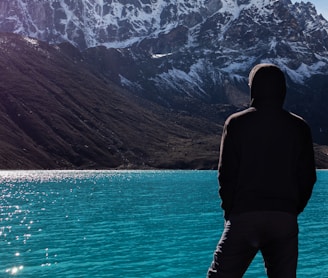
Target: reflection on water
[
  {"x": 128, "y": 224},
  {"x": 14, "y": 270}
]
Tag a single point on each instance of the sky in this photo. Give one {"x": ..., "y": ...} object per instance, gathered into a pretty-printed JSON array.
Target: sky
[{"x": 321, "y": 6}]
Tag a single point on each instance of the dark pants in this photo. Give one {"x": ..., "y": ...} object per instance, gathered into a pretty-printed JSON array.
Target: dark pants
[{"x": 273, "y": 233}]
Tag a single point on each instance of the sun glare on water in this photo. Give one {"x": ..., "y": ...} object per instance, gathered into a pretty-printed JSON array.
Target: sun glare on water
[{"x": 14, "y": 270}]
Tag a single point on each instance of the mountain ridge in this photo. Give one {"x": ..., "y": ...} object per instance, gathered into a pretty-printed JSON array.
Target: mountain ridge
[
  {"x": 93, "y": 21},
  {"x": 191, "y": 60},
  {"x": 293, "y": 35}
]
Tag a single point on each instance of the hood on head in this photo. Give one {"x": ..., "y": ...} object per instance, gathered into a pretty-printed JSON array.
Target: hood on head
[{"x": 267, "y": 85}]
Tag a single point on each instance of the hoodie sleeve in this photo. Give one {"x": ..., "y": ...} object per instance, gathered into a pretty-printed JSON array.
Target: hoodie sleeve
[
  {"x": 228, "y": 168},
  {"x": 306, "y": 169}
]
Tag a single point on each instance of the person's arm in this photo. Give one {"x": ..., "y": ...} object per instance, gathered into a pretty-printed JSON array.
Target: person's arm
[
  {"x": 228, "y": 169},
  {"x": 306, "y": 170}
]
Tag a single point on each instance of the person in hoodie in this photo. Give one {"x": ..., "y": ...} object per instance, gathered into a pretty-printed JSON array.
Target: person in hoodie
[{"x": 266, "y": 176}]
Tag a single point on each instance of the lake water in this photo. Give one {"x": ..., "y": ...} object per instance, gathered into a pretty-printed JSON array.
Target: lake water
[{"x": 129, "y": 224}]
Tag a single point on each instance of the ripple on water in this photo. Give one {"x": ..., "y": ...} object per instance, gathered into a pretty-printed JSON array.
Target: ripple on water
[{"x": 128, "y": 224}]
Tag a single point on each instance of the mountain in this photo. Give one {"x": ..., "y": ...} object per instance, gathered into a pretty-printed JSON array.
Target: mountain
[
  {"x": 175, "y": 52},
  {"x": 56, "y": 114},
  {"x": 188, "y": 61},
  {"x": 121, "y": 23}
]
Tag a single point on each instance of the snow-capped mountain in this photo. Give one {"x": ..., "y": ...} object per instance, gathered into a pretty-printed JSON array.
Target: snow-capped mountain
[
  {"x": 120, "y": 23},
  {"x": 114, "y": 23},
  {"x": 170, "y": 51},
  {"x": 222, "y": 36}
]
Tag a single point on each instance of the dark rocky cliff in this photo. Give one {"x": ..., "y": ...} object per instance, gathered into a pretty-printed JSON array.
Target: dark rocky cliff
[{"x": 56, "y": 113}]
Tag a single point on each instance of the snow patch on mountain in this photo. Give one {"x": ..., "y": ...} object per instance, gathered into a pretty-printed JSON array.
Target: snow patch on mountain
[
  {"x": 160, "y": 55},
  {"x": 306, "y": 71},
  {"x": 178, "y": 80}
]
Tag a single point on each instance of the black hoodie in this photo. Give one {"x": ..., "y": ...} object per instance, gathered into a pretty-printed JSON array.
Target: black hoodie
[{"x": 266, "y": 156}]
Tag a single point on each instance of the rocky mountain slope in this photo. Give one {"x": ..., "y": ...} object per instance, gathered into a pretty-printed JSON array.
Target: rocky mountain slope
[
  {"x": 175, "y": 52},
  {"x": 56, "y": 114},
  {"x": 186, "y": 65}
]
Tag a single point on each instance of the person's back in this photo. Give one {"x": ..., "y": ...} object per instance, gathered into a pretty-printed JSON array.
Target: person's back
[{"x": 266, "y": 167}]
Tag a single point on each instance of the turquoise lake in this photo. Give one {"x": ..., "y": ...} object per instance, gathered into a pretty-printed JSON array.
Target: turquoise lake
[{"x": 67, "y": 224}]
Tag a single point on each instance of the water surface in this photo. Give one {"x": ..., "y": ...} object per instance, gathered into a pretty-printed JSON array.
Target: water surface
[{"x": 129, "y": 224}]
